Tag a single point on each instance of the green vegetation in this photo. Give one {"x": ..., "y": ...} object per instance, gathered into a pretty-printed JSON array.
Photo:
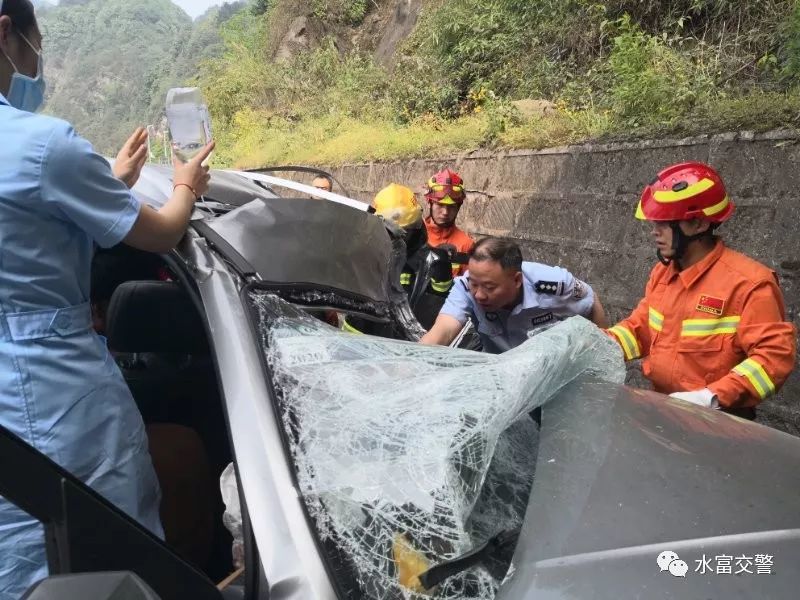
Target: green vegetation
[
  {"x": 473, "y": 73},
  {"x": 351, "y": 12},
  {"x": 109, "y": 63},
  {"x": 618, "y": 69}
]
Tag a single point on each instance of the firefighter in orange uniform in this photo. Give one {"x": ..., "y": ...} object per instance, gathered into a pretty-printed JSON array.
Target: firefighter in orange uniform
[
  {"x": 445, "y": 195},
  {"x": 711, "y": 327}
]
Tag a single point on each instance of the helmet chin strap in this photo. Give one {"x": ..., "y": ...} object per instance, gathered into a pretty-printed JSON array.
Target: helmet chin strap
[{"x": 680, "y": 243}]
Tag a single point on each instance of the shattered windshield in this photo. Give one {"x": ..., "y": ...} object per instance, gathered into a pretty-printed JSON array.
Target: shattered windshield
[{"x": 407, "y": 455}]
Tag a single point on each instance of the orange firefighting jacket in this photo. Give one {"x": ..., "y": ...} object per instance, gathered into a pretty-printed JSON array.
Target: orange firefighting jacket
[
  {"x": 449, "y": 235},
  {"x": 718, "y": 324}
]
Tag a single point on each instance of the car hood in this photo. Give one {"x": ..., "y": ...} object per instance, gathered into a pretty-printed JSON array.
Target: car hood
[{"x": 623, "y": 475}]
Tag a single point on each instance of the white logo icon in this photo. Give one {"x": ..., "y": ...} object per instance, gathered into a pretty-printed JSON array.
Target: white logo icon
[
  {"x": 678, "y": 568},
  {"x": 666, "y": 557},
  {"x": 669, "y": 561}
]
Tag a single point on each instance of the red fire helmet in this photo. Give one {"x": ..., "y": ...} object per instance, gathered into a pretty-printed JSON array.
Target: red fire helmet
[{"x": 690, "y": 190}]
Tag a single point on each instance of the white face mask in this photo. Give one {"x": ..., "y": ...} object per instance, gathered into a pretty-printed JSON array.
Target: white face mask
[{"x": 26, "y": 93}]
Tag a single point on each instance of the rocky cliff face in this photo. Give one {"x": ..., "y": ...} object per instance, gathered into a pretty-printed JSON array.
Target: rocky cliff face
[
  {"x": 386, "y": 24},
  {"x": 404, "y": 15}
]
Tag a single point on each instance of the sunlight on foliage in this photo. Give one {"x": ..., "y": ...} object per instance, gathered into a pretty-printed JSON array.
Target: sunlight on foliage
[{"x": 613, "y": 70}]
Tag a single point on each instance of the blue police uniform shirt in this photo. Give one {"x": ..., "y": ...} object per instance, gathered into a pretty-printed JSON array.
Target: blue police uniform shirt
[
  {"x": 549, "y": 294},
  {"x": 60, "y": 389}
]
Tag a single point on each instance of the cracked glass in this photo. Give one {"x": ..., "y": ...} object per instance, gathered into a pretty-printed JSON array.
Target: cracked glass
[{"x": 408, "y": 455}]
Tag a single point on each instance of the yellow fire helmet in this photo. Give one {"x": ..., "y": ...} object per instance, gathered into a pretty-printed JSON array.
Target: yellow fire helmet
[{"x": 398, "y": 203}]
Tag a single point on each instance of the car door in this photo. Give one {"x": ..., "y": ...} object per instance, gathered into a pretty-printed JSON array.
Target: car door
[{"x": 86, "y": 533}]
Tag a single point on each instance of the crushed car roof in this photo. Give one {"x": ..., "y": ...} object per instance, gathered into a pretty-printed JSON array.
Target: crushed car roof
[{"x": 304, "y": 242}]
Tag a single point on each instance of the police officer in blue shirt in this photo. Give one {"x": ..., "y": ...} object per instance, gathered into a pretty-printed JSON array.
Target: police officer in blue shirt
[
  {"x": 507, "y": 298},
  {"x": 60, "y": 389}
]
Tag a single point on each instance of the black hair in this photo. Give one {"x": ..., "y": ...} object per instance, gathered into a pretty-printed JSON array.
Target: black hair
[
  {"x": 326, "y": 178},
  {"x": 111, "y": 268},
  {"x": 506, "y": 252},
  {"x": 21, "y": 14}
]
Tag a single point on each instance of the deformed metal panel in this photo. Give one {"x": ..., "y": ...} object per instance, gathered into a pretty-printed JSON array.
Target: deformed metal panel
[
  {"x": 312, "y": 242},
  {"x": 286, "y": 546},
  {"x": 623, "y": 475},
  {"x": 291, "y": 240},
  {"x": 155, "y": 187}
]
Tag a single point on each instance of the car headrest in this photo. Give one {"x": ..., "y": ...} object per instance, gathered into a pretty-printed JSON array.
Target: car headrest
[{"x": 154, "y": 316}]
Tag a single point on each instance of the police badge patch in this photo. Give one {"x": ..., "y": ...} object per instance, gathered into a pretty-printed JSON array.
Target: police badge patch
[{"x": 552, "y": 288}]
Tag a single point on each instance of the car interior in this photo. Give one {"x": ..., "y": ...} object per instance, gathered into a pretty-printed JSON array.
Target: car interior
[
  {"x": 159, "y": 341},
  {"x": 155, "y": 331}
]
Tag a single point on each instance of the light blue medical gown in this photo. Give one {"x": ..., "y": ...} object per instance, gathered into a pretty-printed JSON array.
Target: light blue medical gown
[{"x": 60, "y": 389}]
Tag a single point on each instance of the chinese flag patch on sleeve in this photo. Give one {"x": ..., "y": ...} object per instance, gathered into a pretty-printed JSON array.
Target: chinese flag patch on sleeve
[{"x": 710, "y": 305}]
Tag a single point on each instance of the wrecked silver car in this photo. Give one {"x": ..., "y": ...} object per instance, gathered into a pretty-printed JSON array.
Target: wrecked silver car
[{"x": 377, "y": 468}]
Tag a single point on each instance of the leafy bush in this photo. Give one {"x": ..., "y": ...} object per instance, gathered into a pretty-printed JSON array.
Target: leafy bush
[
  {"x": 791, "y": 46},
  {"x": 259, "y": 7},
  {"x": 457, "y": 47},
  {"x": 420, "y": 87},
  {"x": 323, "y": 81},
  {"x": 614, "y": 67},
  {"x": 517, "y": 48},
  {"x": 501, "y": 116},
  {"x": 651, "y": 82},
  {"x": 238, "y": 78},
  {"x": 349, "y": 12}
]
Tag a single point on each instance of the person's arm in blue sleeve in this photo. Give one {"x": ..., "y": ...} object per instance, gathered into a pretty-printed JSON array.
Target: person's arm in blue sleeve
[
  {"x": 452, "y": 317},
  {"x": 582, "y": 299},
  {"x": 78, "y": 185}
]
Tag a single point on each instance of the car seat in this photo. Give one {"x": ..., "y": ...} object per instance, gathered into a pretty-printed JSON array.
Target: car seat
[{"x": 161, "y": 346}]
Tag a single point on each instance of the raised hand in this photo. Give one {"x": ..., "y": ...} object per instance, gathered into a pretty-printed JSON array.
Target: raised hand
[
  {"x": 130, "y": 160},
  {"x": 193, "y": 174}
]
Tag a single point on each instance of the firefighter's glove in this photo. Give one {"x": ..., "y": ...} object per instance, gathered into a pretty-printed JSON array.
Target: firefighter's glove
[
  {"x": 441, "y": 271},
  {"x": 704, "y": 397},
  {"x": 449, "y": 248}
]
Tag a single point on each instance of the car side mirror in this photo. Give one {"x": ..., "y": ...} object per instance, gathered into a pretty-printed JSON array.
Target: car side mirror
[{"x": 121, "y": 585}]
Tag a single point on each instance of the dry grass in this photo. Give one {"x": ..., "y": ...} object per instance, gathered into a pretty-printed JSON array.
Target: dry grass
[{"x": 259, "y": 137}]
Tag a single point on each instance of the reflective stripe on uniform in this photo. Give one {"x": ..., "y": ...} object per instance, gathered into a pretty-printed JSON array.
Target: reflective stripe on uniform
[
  {"x": 757, "y": 376},
  {"x": 628, "y": 342},
  {"x": 405, "y": 278},
  {"x": 349, "y": 328},
  {"x": 656, "y": 319},
  {"x": 441, "y": 286},
  {"x": 703, "y": 327}
]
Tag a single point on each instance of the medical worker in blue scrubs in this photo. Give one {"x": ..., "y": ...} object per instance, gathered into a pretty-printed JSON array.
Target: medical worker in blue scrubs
[{"x": 60, "y": 389}]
